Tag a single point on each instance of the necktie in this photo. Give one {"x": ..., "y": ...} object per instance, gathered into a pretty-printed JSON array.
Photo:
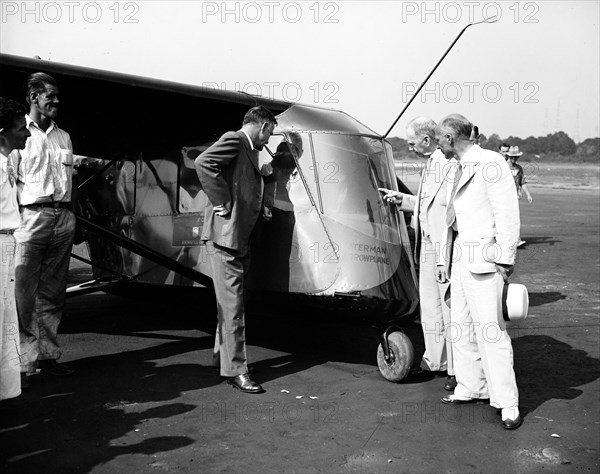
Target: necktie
[
  {"x": 450, "y": 212},
  {"x": 424, "y": 172},
  {"x": 428, "y": 169}
]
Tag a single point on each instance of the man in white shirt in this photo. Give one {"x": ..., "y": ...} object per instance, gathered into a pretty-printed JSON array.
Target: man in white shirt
[
  {"x": 429, "y": 208},
  {"x": 46, "y": 235},
  {"x": 13, "y": 135}
]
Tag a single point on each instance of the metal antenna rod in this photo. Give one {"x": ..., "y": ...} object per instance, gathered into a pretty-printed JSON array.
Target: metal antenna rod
[{"x": 491, "y": 19}]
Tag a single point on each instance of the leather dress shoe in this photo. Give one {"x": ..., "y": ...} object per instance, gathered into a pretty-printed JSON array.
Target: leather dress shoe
[
  {"x": 245, "y": 384},
  {"x": 450, "y": 383},
  {"x": 512, "y": 424},
  {"x": 452, "y": 400},
  {"x": 511, "y": 418}
]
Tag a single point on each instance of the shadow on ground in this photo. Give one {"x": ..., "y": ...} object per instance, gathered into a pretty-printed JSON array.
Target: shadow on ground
[
  {"x": 539, "y": 240},
  {"x": 538, "y": 299},
  {"x": 75, "y": 424},
  {"x": 54, "y": 425},
  {"x": 104, "y": 402},
  {"x": 548, "y": 369}
]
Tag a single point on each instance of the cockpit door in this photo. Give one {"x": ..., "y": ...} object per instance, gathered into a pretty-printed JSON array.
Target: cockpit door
[{"x": 292, "y": 252}]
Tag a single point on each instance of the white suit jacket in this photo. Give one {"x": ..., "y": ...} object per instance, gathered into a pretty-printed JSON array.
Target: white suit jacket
[
  {"x": 487, "y": 213},
  {"x": 435, "y": 203}
]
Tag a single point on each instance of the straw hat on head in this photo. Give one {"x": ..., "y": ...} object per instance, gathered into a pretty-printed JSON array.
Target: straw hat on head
[{"x": 514, "y": 151}]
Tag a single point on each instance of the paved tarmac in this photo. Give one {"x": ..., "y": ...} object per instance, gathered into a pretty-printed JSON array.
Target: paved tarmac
[{"x": 144, "y": 399}]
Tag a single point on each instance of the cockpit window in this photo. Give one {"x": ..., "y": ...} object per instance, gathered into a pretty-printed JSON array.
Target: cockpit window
[{"x": 350, "y": 169}]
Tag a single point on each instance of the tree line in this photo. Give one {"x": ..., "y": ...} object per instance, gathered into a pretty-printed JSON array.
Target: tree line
[{"x": 556, "y": 146}]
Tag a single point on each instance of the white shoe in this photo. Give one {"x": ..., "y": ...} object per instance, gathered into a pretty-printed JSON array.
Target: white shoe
[
  {"x": 511, "y": 413},
  {"x": 521, "y": 242},
  {"x": 511, "y": 419}
]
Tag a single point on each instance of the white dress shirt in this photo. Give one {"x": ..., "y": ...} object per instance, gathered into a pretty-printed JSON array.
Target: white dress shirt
[
  {"x": 262, "y": 183},
  {"x": 10, "y": 218},
  {"x": 249, "y": 141},
  {"x": 45, "y": 165}
]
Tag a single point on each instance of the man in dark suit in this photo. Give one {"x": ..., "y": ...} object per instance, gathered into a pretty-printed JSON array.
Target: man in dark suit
[{"x": 230, "y": 176}]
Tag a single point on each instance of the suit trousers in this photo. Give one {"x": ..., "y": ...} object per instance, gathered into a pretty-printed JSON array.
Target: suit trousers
[
  {"x": 44, "y": 240},
  {"x": 10, "y": 378},
  {"x": 435, "y": 314},
  {"x": 229, "y": 269},
  {"x": 483, "y": 354}
]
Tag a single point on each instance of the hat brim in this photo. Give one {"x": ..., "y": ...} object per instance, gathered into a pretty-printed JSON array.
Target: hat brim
[
  {"x": 514, "y": 156},
  {"x": 515, "y": 301}
]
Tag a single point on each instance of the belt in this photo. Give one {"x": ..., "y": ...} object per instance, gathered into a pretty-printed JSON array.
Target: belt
[
  {"x": 53, "y": 204},
  {"x": 7, "y": 231}
]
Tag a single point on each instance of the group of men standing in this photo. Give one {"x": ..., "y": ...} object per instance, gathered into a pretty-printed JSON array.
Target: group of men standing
[
  {"x": 37, "y": 228},
  {"x": 466, "y": 217}
]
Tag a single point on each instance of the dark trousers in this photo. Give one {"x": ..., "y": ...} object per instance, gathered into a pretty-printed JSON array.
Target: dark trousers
[{"x": 229, "y": 268}]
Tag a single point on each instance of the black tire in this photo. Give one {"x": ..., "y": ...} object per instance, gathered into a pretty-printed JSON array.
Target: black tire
[{"x": 402, "y": 356}]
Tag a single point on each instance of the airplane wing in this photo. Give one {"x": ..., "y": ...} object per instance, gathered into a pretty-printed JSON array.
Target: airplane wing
[{"x": 109, "y": 114}]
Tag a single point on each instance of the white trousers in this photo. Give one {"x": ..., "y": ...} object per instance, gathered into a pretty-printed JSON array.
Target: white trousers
[
  {"x": 483, "y": 355},
  {"x": 10, "y": 377},
  {"x": 435, "y": 314}
]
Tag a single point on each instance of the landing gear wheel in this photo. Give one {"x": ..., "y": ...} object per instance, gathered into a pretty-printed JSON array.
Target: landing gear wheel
[{"x": 401, "y": 357}]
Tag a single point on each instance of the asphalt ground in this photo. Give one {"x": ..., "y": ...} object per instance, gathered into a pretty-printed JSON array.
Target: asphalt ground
[{"x": 145, "y": 400}]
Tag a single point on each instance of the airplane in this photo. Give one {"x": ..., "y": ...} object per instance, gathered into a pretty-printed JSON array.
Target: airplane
[{"x": 332, "y": 242}]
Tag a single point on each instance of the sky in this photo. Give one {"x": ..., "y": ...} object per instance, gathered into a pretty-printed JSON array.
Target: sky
[{"x": 533, "y": 72}]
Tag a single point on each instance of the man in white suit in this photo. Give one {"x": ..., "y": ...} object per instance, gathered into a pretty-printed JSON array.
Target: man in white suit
[
  {"x": 429, "y": 215},
  {"x": 482, "y": 219}
]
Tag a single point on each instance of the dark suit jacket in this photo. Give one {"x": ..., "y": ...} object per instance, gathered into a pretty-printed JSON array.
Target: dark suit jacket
[{"x": 229, "y": 173}]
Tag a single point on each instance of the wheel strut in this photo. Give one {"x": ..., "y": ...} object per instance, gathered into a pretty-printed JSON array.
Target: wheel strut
[{"x": 388, "y": 356}]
